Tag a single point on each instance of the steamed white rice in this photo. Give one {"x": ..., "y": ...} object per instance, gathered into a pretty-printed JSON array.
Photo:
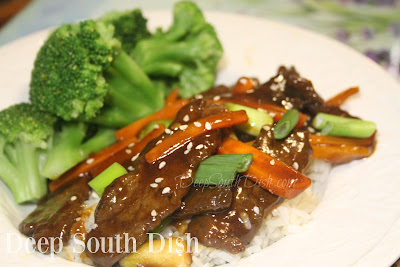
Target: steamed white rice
[{"x": 288, "y": 218}]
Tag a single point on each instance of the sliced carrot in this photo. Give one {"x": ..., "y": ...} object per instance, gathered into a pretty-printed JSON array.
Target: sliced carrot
[
  {"x": 195, "y": 129},
  {"x": 270, "y": 173},
  {"x": 101, "y": 160},
  {"x": 243, "y": 85},
  {"x": 340, "y": 98},
  {"x": 167, "y": 113},
  {"x": 275, "y": 111},
  {"x": 172, "y": 97},
  {"x": 340, "y": 150}
]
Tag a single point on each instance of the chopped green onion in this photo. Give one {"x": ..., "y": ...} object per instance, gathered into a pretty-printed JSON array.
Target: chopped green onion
[
  {"x": 222, "y": 169},
  {"x": 257, "y": 119},
  {"x": 286, "y": 124},
  {"x": 345, "y": 127},
  {"x": 105, "y": 178},
  {"x": 146, "y": 130}
]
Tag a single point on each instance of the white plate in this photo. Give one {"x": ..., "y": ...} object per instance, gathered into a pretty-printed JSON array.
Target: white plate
[{"x": 358, "y": 220}]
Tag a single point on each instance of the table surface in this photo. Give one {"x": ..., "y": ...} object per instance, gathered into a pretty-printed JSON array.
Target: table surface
[{"x": 370, "y": 26}]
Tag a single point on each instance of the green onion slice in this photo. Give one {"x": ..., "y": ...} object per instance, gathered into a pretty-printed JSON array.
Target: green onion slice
[
  {"x": 167, "y": 221},
  {"x": 286, "y": 124},
  {"x": 106, "y": 177},
  {"x": 257, "y": 119},
  {"x": 345, "y": 127},
  {"x": 146, "y": 130},
  {"x": 222, "y": 169}
]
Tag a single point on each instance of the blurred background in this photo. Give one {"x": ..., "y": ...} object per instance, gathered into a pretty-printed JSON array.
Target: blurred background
[{"x": 370, "y": 26}]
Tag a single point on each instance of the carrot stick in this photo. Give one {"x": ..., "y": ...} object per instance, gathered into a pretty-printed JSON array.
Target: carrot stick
[
  {"x": 340, "y": 150},
  {"x": 275, "y": 111},
  {"x": 341, "y": 97},
  {"x": 193, "y": 130},
  {"x": 172, "y": 97},
  {"x": 243, "y": 85},
  {"x": 99, "y": 161},
  {"x": 270, "y": 173},
  {"x": 167, "y": 113}
]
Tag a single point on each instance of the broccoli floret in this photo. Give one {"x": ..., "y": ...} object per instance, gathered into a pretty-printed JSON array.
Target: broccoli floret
[
  {"x": 73, "y": 142},
  {"x": 130, "y": 27},
  {"x": 24, "y": 137},
  {"x": 76, "y": 74},
  {"x": 186, "y": 55}
]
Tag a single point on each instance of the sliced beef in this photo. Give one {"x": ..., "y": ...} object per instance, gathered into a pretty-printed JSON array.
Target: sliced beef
[
  {"x": 233, "y": 229},
  {"x": 289, "y": 90},
  {"x": 294, "y": 150},
  {"x": 137, "y": 202},
  {"x": 201, "y": 199},
  {"x": 56, "y": 213}
]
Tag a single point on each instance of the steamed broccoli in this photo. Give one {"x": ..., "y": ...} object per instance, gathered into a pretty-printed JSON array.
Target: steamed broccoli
[
  {"x": 130, "y": 27},
  {"x": 186, "y": 55},
  {"x": 73, "y": 142},
  {"x": 78, "y": 74},
  {"x": 24, "y": 137}
]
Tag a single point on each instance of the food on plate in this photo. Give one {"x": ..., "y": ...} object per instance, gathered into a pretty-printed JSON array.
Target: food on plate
[{"x": 142, "y": 149}]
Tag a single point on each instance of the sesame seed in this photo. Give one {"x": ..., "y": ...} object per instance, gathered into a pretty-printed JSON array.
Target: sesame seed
[
  {"x": 200, "y": 146},
  {"x": 216, "y": 98},
  {"x": 272, "y": 162},
  {"x": 256, "y": 210},
  {"x": 128, "y": 151},
  {"x": 159, "y": 180},
  {"x": 154, "y": 185},
  {"x": 153, "y": 213},
  {"x": 218, "y": 121},
  {"x": 156, "y": 126},
  {"x": 250, "y": 91},
  {"x": 186, "y": 118},
  {"x": 130, "y": 168},
  {"x": 90, "y": 161},
  {"x": 183, "y": 127},
  {"x": 78, "y": 219},
  {"x": 162, "y": 165},
  {"x": 243, "y": 81},
  {"x": 135, "y": 157},
  {"x": 189, "y": 146},
  {"x": 198, "y": 96},
  {"x": 131, "y": 145},
  {"x": 295, "y": 165},
  {"x": 197, "y": 124},
  {"x": 166, "y": 190},
  {"x": 266, "y": 128},
  {"x": 186, "y": 152},
  {"x": 73, "y": 198},
  {"x": 168, "y": 131},
  {"x": 208, "y": 126},
  {"x": 159, "y": 142}
]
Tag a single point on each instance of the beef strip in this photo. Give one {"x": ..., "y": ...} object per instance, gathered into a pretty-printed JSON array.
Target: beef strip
[
  {"x": 233, "y": 229},
  {"x": 289, "y": 90},
  {"x": 201, "y": 199},
  {"x": 56, "y": 213},
  {"x": 294, "y": 150},
  {"x": 137, "y": 202}
]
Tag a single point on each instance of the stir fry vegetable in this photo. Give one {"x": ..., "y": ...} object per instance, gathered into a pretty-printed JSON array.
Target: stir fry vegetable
[
  {"x": 257, "y": 119},
  {"x": 195, "y": 129},
  {"x": 286, "y": 124},
  {"x": 346, "y": 127},
  {"x": 222, "y": 169},
  {"x": 340, "y": 98},
  {"x": 270, "y": 173},
  {"x": 101, "y": 181}
]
